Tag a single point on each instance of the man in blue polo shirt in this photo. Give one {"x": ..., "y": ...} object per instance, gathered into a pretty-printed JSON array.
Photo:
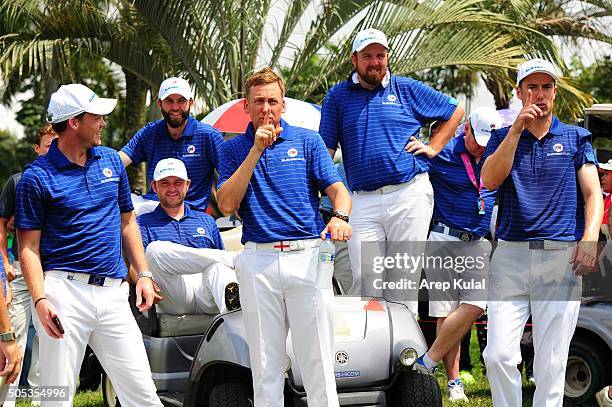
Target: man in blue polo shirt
[
  {"x": 462, "y": 213},
  {"x": 373, "y": 116},
  {"x": 73, "y": 216},
  {"x": 174, "y": 237},
  {"x": 177, "y": 135},
  {"x": 549, "y": 198},
  {"x": 271, "y": 175}
]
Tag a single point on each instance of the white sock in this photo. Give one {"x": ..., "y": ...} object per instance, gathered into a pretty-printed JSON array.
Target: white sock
[{"x": 429, "y": 362}]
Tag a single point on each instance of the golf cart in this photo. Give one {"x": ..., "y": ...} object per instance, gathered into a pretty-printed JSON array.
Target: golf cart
[
  {"x": 203, "y": 360},
  {"x": 591, "y": 347}
]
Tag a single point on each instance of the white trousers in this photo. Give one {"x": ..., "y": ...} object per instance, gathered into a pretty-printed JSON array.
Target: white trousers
[
  {"x": 100, "y": 316},
  {"x": 391, "y": 219},
  {"x": 192, "y": 280},
  {"x": 536, "y": 282},
  {"x": 276, "y": 288},
  {"x": 143, "y": 205},
  {"x": 444, "y": 246},
  {"x": 20, "y": 313}
]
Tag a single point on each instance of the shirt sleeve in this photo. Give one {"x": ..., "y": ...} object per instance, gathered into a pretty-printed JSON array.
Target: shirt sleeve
[
  {"x": 143, "y": 232},
  {"x": 216, "y": 235},
  {"x": 125, "y": 195},
  {"x": 214, "y": 146},
  {"x": 227, "y": 163},
  {"x": 135, "y": 148},
  {"x": 586, "y": 153},
  {"x": 328, "y": 127},
  {"x": 427, "y": 103},
  {"x": 29, "y": 206},
  {"x": 492, "y": 144},
  {"x": 323, "y": 169},
  {"x": 7, "y": 199}
]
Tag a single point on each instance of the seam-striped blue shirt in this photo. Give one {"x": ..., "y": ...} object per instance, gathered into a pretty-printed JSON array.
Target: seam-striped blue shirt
[
  {"x": 281, "y": 201},
  {"x": 373, "y": 127},
  {"x": 541, "y": 198},
  {"x": 198, "y": 147},
  {"x": 77, "y": 209},
  {"x": 195, "y": 229},
  {"x": 455, "y": 196}
]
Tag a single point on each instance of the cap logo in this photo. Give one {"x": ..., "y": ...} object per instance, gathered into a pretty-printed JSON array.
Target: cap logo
[
  {"x": 557, "y": 148},
  {"x": 292, "y": 152},
  {"x": 93, "y": 96},
  {"x": 391, "y": 98},
  {"x": 201, "y": 231},
  {"x": 191, "y": 149},
  {"x": 492, "y": 125},
  {"x": 107, "y": 172}
]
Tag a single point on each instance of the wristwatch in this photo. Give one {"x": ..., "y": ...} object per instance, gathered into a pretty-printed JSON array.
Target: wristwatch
[
  {"x": 147, "y": 274},
  {"x": 340, "y": 214},
  {"x": 7, "y": 336}
]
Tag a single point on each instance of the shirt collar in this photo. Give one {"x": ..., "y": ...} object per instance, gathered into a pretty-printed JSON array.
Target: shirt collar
[
  {"x": 188, "y": 131},
  {"x": 160, "y": 214},
  {"x": 354, "y": 77},
  {"x": 60, "y": 161},
  {"x": 286, "y": 134},
  {"x": 460, "y": 144},
  {"x": 556, "y": 128}
]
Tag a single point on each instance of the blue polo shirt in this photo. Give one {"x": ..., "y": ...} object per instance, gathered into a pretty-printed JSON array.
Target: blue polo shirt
[
  {"x": 281, "y": 201},
  {"x": 373, "y": 127},
  {"x": 455, "y": 197},
  {"x": 77, "y": 209},
  {"x": 541, "y": 199},
  {"x": 195, "y": 229},
  {"x": 198, "y": 147}
]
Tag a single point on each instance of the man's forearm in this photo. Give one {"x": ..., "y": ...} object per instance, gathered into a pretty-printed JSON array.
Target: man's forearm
[
  {"x": 593, "y": 212},
  {"x": 446, "y": 130},
  {"x": 4, "y": 241},
  {"x": 339, "y": 197},
  {"x": 232, "y": 191},
  {"x": 132, "y": 242},
  {"x": 498, "y": 165},
  {"x": 32, "y": 271}
]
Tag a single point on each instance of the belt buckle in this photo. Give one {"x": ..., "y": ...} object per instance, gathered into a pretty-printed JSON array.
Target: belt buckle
[
  {"x": 282, "y": 246},
  {"x": 465, "y": 236},
  {"x": 96, "y": 280},
  {"x": 537, "y": 244}
]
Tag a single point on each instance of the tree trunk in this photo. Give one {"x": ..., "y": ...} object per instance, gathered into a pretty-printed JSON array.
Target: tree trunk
[
  {"x": 135, "y": 119},
  {"x": 500, "y": 91}
]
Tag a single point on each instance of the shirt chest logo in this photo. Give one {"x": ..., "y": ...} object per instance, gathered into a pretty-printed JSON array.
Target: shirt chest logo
[
  {"x": 201, "y": 231},
  {"x": 190, "y": 152},
  {"x": 391, "y": 100},
  {"x": 108, "y": 174},
  {"x": 292, "y": 153},
  {"x": 558, "y": 149}
]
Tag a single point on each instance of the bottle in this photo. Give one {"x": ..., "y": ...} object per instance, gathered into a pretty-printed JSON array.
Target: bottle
[{"x": 325, "y": 269}]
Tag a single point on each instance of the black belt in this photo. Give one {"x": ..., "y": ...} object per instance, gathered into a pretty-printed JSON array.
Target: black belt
[{"x": 447, "y": 230}]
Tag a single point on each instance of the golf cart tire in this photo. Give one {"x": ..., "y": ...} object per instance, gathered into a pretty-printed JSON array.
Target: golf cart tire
[
  {"x": 109, "y": 396},
  {"x": 231, "y": 395},
  {"x": 416, "y": 388},
  {"x": 585, "y": 369}
]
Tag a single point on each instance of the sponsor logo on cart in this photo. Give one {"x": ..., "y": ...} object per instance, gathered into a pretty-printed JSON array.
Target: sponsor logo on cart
[
  {"x": 348, "y": 373},
  {"x": 342, "y": 357}
]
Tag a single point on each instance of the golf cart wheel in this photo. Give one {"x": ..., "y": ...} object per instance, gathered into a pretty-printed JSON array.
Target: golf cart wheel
[
  {"x": 231, "y": 395},
  {"x": 416, "y": 388},
  {"x": 585, "y": 373},
  {"x": 109, "y": 396}
]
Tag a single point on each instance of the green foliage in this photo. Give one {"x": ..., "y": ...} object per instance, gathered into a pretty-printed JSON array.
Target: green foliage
[
  {"x": 595, "y": 79},
  {"x": 8, "y": 144}
]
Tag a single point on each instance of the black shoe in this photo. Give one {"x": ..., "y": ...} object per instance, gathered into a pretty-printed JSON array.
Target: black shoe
[{"x": 232, "y": 297}]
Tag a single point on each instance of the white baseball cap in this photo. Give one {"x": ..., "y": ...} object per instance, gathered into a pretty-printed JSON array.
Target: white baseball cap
[
  {"x": 170, "y": 167},
  {"x": 367, "y": 37},
  {"x": 607, "y": 166},
  {"x": 482, "y": 121},
  {"x": 73, "y": 99},
  {"x": 173, "y": 86},
  {"x": 535, "y": 66}
]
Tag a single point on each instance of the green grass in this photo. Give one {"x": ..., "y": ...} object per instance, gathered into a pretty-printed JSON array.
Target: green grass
[{"x": 479, "y": 393}]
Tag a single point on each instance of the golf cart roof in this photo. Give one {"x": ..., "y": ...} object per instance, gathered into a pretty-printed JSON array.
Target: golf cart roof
[{"x": 603, "y": 110}]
